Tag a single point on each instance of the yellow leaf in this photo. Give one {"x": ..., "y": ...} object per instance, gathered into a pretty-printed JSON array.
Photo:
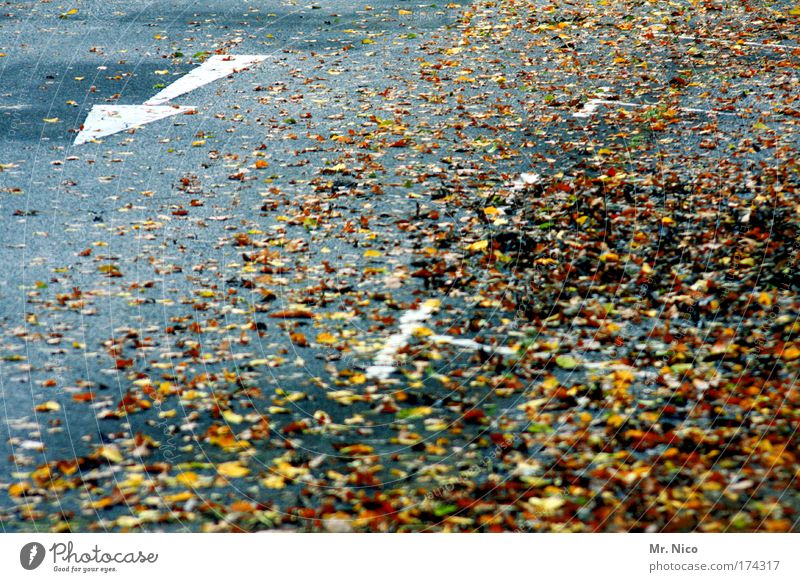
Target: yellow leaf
[
  {"x": 478, "y": 246},
  {"x": 49, "y": 406},
  {"x": 273, "y": 482},
  {"x": 231, "y": 417},
  {"x": 615, "y": 421},
  {"x": 110, "y": 270},
  {"x": 404, "y": 12},
  {"x": 340, "y": 167},
  {"x": 232, "y": 469},
  {"x": 326, "y": 338},
  {"x": 101, "y": 503},
  {"x": 178, "y": 497},
  {"x": 189, "y": 478},
  {"x": 110, "y": 453},
  {"x": 51, "y": 120},
  {"x": 417, "y": 412},
  {"x": 791, "y": 353},
  {"x": 371, "y": 253},
  {"x": 546, "y": 505},
  {"x": 357, "y": 449},
  {"x": 128, "y": 521},
  {"x": 18, "y": 489}
]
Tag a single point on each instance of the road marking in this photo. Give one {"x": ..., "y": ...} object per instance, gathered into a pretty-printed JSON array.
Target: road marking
[
  {"x": 106, "y": 120},
  {"x": 526, "y": 179},
  {"x": 591, "y": 107},
  {"x": 731, "y": 42},
  {"x": 410, "y": 322},
  {"x": 213, "y": 68},
  {"x": 473, "y": 345}
]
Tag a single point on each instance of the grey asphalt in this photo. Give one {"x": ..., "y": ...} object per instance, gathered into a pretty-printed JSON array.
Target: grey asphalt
[{"x": 58, "y": 199}]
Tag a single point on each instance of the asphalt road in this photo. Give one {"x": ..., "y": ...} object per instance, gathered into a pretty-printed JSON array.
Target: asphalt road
[
  {"x": 60, "y": 199},
  {"x": 158, "y": 259}
]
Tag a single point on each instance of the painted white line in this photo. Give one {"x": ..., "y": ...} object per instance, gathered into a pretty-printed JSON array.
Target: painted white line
[
  {"x": 731, "y": 42},
  {"x": 410, "y": 322},
  {"x": 591, "y": 107},
  {"x": 213, "y": 68},
  {"x": 106, "y": 120},
  {"x": 526, "y": 179},
  {"x": 473, "y": 345}
]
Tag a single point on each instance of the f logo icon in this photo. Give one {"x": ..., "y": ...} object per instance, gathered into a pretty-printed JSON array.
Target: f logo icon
[{"x": 31, "y": 555}]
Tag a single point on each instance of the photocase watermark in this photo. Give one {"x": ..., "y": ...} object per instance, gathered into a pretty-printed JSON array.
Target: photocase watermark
[
  {"x": 31, "y": 555},
  {"x": 66, "y": 558}
]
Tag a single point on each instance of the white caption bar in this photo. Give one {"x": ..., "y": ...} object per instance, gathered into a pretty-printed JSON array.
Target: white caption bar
[{"x": 401, "y": 557}]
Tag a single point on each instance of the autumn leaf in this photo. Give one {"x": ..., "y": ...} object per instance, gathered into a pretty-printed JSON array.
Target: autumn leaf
[
  {"x": 233, "y": 469},
  {"x": 567, "y": 362}
]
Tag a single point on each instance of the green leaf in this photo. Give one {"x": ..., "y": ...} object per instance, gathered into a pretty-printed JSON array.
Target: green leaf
[
  {"x": 539, "y": 428},
  {"x": 567, "y": 362},
  {"x": 445, "y": 509}
]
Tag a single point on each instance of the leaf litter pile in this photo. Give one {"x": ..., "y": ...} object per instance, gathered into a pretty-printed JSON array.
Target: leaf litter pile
[{"x": 532, "y": 271}]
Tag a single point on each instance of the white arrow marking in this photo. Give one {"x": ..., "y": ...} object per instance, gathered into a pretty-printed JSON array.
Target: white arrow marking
[
  {"x": 469, "y": 344},
  {"x": 591, "y": 107},
  {"x": 711, "y": 40},
  {"x": 106, "y": 120},
  {"x": 214, "y": 68},
  {"x": 410, "y": 322},
  {"x": 384, "y": 364}
]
